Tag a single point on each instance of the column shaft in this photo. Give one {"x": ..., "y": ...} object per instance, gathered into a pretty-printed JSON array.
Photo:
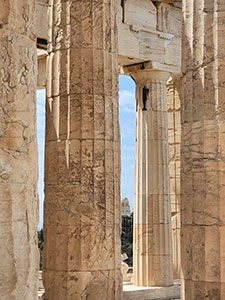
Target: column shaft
[
  {"x": 152, "y": 213},
  {"x": 82, "y": 216},
  {"x": 174, "y": 138},
  {"x": 203, "y": 151},
  {"x": 19, "y": 254}
]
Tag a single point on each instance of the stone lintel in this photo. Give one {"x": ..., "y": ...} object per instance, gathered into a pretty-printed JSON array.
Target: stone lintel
[{"x": 137, "y": 41}]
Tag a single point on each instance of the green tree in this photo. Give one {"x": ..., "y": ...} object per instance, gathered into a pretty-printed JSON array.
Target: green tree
[
  {"x": 127, "y": 238},
  {"x": 40, "y": 245}
]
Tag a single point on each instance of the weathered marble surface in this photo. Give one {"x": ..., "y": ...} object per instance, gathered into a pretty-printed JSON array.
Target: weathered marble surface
[
  {"x": 42, "y": 21},
  {"x": 152, "y": 257},
  {"x": 150, "y": 32},
  {"x": 41, "y": 76},
  {"x": 147, "y": 31},
  {"x": 174, "y": 139},
  {"x": 131, "y": 292},
  {"x": 19, "y": 255},
  {"x": 203, "y": 151},
  {"x": 82, "y": 217}
]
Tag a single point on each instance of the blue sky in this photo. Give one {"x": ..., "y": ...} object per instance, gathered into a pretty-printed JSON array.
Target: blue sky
[
  {"x": 41, "y": 142},
  {"x": 127, "y": 115}
]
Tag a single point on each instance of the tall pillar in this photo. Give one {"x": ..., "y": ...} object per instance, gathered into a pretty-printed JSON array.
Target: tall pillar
[
  {"x": 174, "y": 138},
  {"x": 82, "y": 216},
  {"x": 153, "y": 264},
  {"x": 19, "y": 256},
  {"x": 203, "y": 151}
]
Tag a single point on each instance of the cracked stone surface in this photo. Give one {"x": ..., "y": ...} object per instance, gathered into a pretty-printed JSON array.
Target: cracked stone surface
[
  {"x": 82, "y": 215},
  {"x": 19, "y": 255},
  {"x": 203, "y": 151},
  {"x": 174, "y": 139},
  {"x": 153, "y": 264}
]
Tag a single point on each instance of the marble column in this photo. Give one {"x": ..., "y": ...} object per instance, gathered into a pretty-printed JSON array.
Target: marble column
[
  {"x": 174, "y": 139},
  {"x": 19, "y": 256},
  {"x": 203, "y": 151},
  {"x": 82, "y": 218},
  {"x": 153, "y": 265}
]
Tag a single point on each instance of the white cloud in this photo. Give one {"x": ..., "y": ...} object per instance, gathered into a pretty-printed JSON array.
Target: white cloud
[{"x": 126, "y": 101}]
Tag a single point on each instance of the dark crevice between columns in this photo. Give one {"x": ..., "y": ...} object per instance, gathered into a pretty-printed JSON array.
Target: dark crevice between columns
[
  {"x": 145, "y": 93},
  {"x": 123, "y": 10},
  {"x": 41, "y": 44}
]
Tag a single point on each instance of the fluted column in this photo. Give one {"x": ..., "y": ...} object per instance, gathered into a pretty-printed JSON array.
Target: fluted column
[
  {"x": 153, "y": 264},
  {"x": 203, "y": 151},
  {"x": 82, "y": 218},
  {"x": 174, "y": 139},
  {"x": 19, "y": 255}
]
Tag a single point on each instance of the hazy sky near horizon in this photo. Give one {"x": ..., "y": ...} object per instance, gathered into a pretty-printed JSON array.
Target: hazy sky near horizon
[{"x": 126, "y": 117}]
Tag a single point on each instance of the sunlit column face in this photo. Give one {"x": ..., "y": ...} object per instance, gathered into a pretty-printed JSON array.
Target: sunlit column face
[
  {"x": 202, "y": 151},
  {"x": 174, "y": 139},
  {"x": 152, "y": 213},
  {"x": 18, "y": 151},
  {"x": 82, "y": 214}
]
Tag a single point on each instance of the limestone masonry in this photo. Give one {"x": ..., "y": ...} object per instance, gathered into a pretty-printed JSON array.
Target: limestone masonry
[{"x": 175, "y": 52}]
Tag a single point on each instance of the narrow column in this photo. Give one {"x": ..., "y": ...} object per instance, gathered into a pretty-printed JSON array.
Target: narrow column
[
  {"x": 19, "y": 254},
  {"x": 203, "y": 151},
  {"x": 153, "y": 264},
  {"x": 174, "y": 138},
  {"x": 82, "y": 217}
]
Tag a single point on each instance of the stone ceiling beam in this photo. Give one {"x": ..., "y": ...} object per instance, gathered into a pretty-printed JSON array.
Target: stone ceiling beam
[{"x": 154, "y": 36}]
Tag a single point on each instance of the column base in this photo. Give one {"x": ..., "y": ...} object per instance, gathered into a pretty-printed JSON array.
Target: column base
[
  {"x": 131, "y": 292},
  {"x": 193, "y": 289},
  {"x": 74, "y": 285}
]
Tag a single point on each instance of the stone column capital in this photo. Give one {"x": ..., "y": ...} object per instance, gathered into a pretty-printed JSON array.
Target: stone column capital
[
  {"x": 143, "y": 72},
  {"x": 147, "y": 75}
]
